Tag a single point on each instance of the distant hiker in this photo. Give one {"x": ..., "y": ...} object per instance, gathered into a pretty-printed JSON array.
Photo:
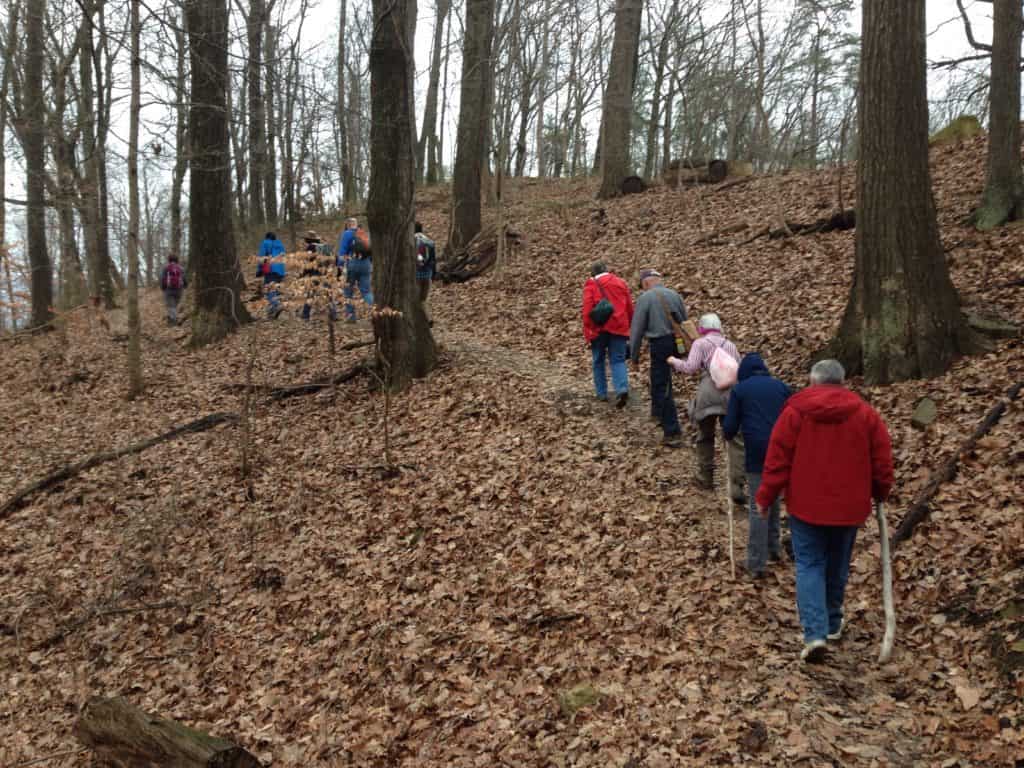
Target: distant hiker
[
  {"x": 830, "y": 454},
  {"x": 754, "y": 407},
  {"x": 709, "y": 354},
  {"x": 355, "y": 254},
  {"x": 271, "y": 246},
  {"x": 656, "y": 310},
  {"x": 311, "y": 270},
  {"x": 172, "y": 282},
  {"x": 313, "y": 242},
  {"x": 607, "y": 314},
  {"x": 426, "y": 262}
]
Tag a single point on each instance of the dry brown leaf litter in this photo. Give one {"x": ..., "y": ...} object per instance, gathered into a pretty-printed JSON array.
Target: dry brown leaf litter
[{"x": 544, "y": 587}]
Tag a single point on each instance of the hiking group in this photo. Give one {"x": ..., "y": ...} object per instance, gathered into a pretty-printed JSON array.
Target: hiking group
[{"x": 824, "y": 449}]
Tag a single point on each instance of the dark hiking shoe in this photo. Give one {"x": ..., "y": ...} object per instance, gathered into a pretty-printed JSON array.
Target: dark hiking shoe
[
  {"x": 621, "y": 399},
  {"x": 740, "y": 500},
  {"x": 838, "y": 634},
  {"x": 814, "y": 652},
  {"x": 601, "y": 398},
  {"x": 672, "y": 441}
]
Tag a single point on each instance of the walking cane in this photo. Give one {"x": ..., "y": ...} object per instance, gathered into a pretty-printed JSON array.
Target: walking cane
[
  {"x": 728, "y": 505},
  {"x": 887, "y": 602}
]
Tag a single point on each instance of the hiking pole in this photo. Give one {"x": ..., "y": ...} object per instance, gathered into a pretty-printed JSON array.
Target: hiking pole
[
  {"x": 728, "y": 506},
  {"x": 887, "y": 602}
]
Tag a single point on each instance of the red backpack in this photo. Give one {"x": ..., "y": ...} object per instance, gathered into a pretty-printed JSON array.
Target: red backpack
[
  {"x": 361, "y": 242},
  {"x": 174, "y": 278}
]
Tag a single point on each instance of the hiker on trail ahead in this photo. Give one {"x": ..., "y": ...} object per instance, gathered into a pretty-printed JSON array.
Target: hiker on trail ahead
[
  {"x": 172, "y": 282},
  {"x": 355, "y": 254},
  {"x": 754, "y": 407},
  {"x": 830, "y": 454},
  {"x": 271, "y": 246},
  {"x": 607, "y": 314},
  {"x": 656, "y": 309},
  {"x": 426, "y": 263},
  {"x": 716, "y": 360}
]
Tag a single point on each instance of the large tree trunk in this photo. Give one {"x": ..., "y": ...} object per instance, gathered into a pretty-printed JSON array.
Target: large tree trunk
[
  {"x": 217, "y": 278},
  {"x": 273, "y": 126},
  {"x": 41, "y": 281},
  {"x": 542, "y": 88},
  {"x": 134, "y": 323},
  {"x": 345, "y": 177},
  {"x": 903, "y": 317},
  {"x": 400, "y": 324},
  {"x": 471, "y": 142},
  {"x": 616, "y": 163},
  {"x": 5, "y": 85},
  {"x": 428, "y": 132},
  {"x": 123, "y": 736},
  {"x": 180, "y": 135},
  {"x": 257, "y": 118},
  {"x": 1004, "y": 187}
]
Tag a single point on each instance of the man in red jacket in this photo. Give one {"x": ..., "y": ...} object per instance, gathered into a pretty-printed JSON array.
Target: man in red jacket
[
  {"x": 830, "y": 454},
  {"x": 607, "y": 314}
]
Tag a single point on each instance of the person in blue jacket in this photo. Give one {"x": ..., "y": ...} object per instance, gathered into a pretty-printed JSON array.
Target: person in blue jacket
[
  {"x": 354, "y": 253},
  {"x": 754, "y": 406},
  {"x": 270, "y": 250},
  {"x": 271, "y": 246}
]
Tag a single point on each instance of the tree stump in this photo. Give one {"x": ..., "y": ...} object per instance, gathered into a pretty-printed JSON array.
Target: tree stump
[
  {"x": 123, "y": 736},
  {"x": 633, "y": 185}
]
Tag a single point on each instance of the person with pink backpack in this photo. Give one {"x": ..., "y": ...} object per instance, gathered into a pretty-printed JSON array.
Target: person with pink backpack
[
  {"x": 173, "y": 282},
  {"x": 717, "y": 361}
]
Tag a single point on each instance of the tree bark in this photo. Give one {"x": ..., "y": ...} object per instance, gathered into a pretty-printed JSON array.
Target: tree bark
[
  {"x": 257, "y": 116},
  {"x": 903, "y": 316},
  {"x": 181, "y": 148},
  {"x": 5, "y": 85},
  {"x": 135, "y": 385},
  {"x": 471, "y": 142},
  {"x": 217, "y": 278},
  {"x": 405, "y": 345},
  {"x": 1004, "y": 187},
  {"x": 41, "y": 281},
  {"x": 616, "y": 163},
  {"x": 428, "y": 132},
  {"x": 273, "y": 123},
  {"x": 122, "y": 736},
  {"x": 342, "y": 120}
]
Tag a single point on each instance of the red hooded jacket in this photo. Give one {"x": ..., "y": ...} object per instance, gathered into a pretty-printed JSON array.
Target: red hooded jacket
[
  {"x": 830, "y": 453},
  {"x": 618, "y": 294}
]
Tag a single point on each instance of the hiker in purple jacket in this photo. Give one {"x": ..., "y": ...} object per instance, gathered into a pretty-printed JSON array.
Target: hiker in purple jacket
[{"x": 172, "y": 282}]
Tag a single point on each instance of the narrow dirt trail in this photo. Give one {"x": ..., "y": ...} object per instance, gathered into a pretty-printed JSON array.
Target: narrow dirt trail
[{"x": 842, "y": 711}]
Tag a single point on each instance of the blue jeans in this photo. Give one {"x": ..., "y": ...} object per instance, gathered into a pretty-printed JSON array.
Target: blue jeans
[
  {"x": 822, "y": 555},
  {"x": 614, "y": 348},
  {"x": 359, "y": 274},
  {"x": 764, "y": 534},
  {"x": 663, "y": 406}
]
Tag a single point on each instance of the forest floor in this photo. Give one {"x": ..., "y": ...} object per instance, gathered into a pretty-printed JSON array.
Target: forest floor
[{"x": 540, "y": 584}]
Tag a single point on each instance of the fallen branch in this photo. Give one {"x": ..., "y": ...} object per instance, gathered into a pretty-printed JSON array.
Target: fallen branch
[
  {"x": 732, "y": 229},
  {"x": 545, "y": 620},
  {"x": 920, "y": 509},
  {"x": 121, "y": 734},
  {"x": 297, "y": 390},
  {"x": 58, "y": 476},
  {"x": 837, "y": 222},
  {"x": 63, "y": 632},
  {"x": 731, "y": 183}
]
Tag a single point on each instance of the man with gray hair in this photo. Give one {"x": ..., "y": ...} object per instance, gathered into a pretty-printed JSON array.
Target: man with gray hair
[
  {"x": 656, "y": 309},
  {"x": 830, "y": 454}
]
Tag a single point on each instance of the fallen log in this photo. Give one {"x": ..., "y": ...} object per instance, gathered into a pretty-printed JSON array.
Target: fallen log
[
  {"x": 921, "y": 509},
  {"x": 297, "y": 390},
  {"x": 731, "y": 183},
  {"x": 732, "y": 229},
  {"x": 61, "y": 474},
  {"x": 696, "y": 172},
  {"x": 837, "y": 222},
  {"x": 479, "y": 255},
  {"x": 123, "y": 736}
]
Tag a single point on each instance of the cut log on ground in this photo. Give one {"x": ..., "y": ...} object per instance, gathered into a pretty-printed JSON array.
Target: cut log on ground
[
  {"x": 478, "y": 256},
  {"x": 696, "y": 172},
  {"x": 58, "y": 476},
  {"x": 124, "y": 736},
  {"x": 921, "y": 509},
  {"x": 633, "y": 185}
]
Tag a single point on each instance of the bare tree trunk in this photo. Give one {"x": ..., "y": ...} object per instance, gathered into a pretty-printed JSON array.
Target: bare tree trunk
[
  {"x": 41, "y": 280},
  {"x": 273, "y": 126},
  {"x": 257, "y": 117},
  {"x": 616, "y": 163},
  {"x": 342, "y": 121},
  {"x": 405, "y": 345},
  {"x": 217, "y": 278},
  {"x": 435, "y": 173},
  {"x": 5, "y": 84},
  {"x": 428, "y": 132},
  {"x": 104, "y": 94},
  {"x": 180, "y": 134},
  {"x": 1004, "y": 186},
  {"x": 903, "y": 317},
  {"x": 473, "y": 123},
  {"x": 542, "y": 88},
  {"x": 135, "y": 385}
]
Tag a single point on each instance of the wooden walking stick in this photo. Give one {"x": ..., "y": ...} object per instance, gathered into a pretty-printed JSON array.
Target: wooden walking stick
[
  {"x": 887, "y": 602},
  {"x": 728, "y": 506}
]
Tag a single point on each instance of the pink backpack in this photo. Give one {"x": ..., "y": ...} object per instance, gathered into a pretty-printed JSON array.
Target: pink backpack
[{"x": 723, "y": 369}]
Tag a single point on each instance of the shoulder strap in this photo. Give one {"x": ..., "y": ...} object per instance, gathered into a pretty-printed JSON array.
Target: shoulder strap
[
  {"x": 601, "y": 289},
  {"x": 676, "y": 329}
]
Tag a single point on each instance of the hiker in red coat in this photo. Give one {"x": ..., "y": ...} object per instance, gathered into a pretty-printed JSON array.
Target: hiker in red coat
[
  {"x": 607, "y": 314},
  {"x": 172, "y": 282},
  {"x": 831, "y": 455}
]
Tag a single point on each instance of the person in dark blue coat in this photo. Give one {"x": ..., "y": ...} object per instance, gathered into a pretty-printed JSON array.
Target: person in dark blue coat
[{"x": 754, "y": 406}]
